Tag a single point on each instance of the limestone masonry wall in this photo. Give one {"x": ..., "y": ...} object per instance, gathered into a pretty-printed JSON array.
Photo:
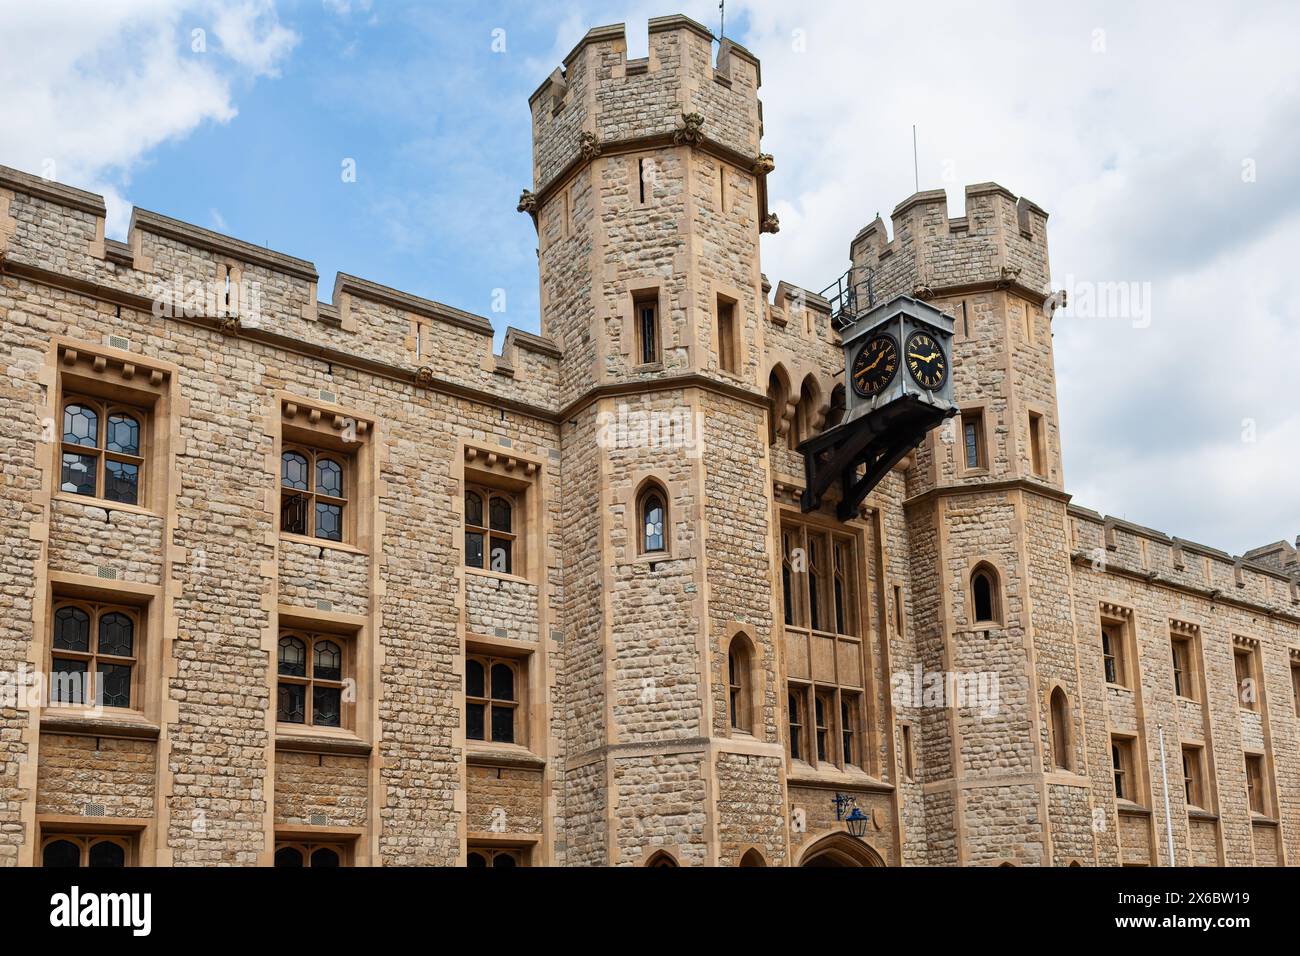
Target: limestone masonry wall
[{"x": 657, "y": 692}]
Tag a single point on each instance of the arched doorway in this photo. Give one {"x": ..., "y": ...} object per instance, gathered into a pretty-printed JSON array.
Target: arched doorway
[
  {"x": 661, "y": 860},
  {"x": 840, "y": 849}
]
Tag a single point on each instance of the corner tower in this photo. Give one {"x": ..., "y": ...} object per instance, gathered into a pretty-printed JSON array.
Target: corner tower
[
  {"x": 986, "y": 516},
  {"x": 649, "y": 196}
]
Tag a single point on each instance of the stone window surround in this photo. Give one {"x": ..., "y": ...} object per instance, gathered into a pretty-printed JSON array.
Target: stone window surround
[
  {"x": 333, "y": 838},
  {"x": 1203, "y": 791},
  {"x": 502, "y": 468},
  {"x": 867, "y": 717},
  {"x": 979, "y": 413},
  {"x": 1056, "y": 763},
  {"x": 353, "y": 633},
  {"x": 995, "y": 569},
  {"x": 126, "y": 838},
  {"x": 754, "y": 687},
  {"x": 1195, "y": 676},
  {"x": 628, "y": 496},
  {"x": 346, "y": 643},
  {"x": 1249, "y": 648},
  {"x": 1034, "y": 413},
  {"x": 306, "y": 849},
  {"x": 95, "y": 611},
  {"x": 116, "y": 377},
  {"x": 1121, "y": 619},
  {"x": 723, "y": 293},
  {"x": 521, "y": 846},
  {"x": 1266, "y": 800},
  {"x": 143, "y": 718},
  {"x": 907, "y": 750},
  {"x": 1134, "y": 767},
  {"x": 645, "y": 488},
  {"x": 530, "y": 693},
  {"x": 637, "y": 291},
  {"x": 325, "y": 427}
]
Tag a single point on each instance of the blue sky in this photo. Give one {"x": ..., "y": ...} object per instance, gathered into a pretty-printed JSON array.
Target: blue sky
[{"x": 1166, "y": 149}]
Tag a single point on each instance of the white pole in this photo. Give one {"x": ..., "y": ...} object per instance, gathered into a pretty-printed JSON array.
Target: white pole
[{"x": 1169, "y": 822}]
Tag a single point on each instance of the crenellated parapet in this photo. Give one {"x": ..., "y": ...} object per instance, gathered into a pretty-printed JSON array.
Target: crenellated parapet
[
  {"x": 1001, "y": 241},
  {"x": 177, "y": 271},
  {"x": 601, "y": 99}
]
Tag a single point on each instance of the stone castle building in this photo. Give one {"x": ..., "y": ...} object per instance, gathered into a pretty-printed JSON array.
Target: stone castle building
[{"x": 313, "y": 583}]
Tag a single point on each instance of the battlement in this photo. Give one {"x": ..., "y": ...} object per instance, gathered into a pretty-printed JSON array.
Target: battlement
[
  {"x": 1122, "y": 547},
  {"x": 599, "y": 97},
  {"x": 1002, "y": 239},
  {"x": 177, "y": 270}
]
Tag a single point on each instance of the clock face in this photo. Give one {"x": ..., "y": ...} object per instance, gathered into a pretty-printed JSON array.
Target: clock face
[
  {"x": 875, "y": 365},
  {"x": 925, "y": 360}
]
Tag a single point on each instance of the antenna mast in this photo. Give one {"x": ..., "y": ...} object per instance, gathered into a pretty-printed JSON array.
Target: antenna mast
[
  {"x": 916, "y": 169},
  {"x": 722, "y": 25}
]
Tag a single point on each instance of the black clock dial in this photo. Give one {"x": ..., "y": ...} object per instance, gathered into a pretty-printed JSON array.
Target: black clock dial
[
  {"x": 925, "y": 360},
  {"x": 875, "y": 365}
]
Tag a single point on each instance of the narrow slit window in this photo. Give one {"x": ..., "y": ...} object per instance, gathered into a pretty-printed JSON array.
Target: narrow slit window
[
  {"x": 1037, "y": 457},
  {"x": 728, "y": 350},
  {"x": 647, "y": 331}
]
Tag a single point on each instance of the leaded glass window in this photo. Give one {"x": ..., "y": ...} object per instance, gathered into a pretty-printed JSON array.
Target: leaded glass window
[
  {"x": 491, "y": 544},
  {"x": 102, "y": 452},
  {"x": 492, "y": 700},
  {"x": 102, "y": 672},
  {"x": 312, "y": 694},
  {"x": 313, "y": 493}
]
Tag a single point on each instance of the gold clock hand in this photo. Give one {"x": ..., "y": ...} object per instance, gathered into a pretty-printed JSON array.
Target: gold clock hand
[{"x": 872, "y": 365}]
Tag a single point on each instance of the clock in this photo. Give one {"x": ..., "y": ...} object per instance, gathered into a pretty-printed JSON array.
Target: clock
[
  {"x": 925, "y": 360},
  {"x": 875, "y": 365}
]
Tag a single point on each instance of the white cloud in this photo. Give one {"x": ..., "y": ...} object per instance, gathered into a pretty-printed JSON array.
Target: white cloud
[
  {"x": 1137, "y": 153},
  {"x": 91, "y": 89},
  {"x": 252, "y": 36}
]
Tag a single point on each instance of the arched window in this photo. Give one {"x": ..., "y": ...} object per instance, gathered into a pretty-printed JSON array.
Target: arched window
[
  {"x": 985, "y": 595},
  {"x": 835, "y": 414},
  {"x": 490, "y": 530},
  {"x": 102, "y": 453},
  {"x": 662, "y": 860},
  {"x": 1060, "y": 709},
  {"x": 739, "y": 694},
  {"x": 805, "y": 422},
  {"x": 776, "y": 400},
  {"x": 653, "y": 521},
  {"x": 297, "y": 855},
  {"x": 311, "y": 694},
  {"x": 492, "y": 693},
  {"x": 752, "y": 858},
  {"x": 102, "y": 671},
  {"x": 313, "y": 493},
  {"x": 97, "y": 852},
  {"x": 482, "y": 857}
]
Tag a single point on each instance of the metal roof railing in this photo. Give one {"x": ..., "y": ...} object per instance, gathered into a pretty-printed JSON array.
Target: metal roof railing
[{"x": 850, "y": 295}]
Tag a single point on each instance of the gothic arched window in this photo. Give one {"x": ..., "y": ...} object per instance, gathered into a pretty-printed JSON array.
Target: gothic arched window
[
  {"x": 739, "y": 692},
  {"x": 986, "y": 595},
  {"x": 653, "y": 523},
  {"x": 1060, "y": 714}
]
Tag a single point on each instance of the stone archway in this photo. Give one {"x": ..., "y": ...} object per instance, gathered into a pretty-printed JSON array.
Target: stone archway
[{"x": 840, "y": 849}]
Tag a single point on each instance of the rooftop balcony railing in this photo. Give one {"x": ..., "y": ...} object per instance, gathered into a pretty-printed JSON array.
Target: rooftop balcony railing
[{"x": 850, "y": 296}]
